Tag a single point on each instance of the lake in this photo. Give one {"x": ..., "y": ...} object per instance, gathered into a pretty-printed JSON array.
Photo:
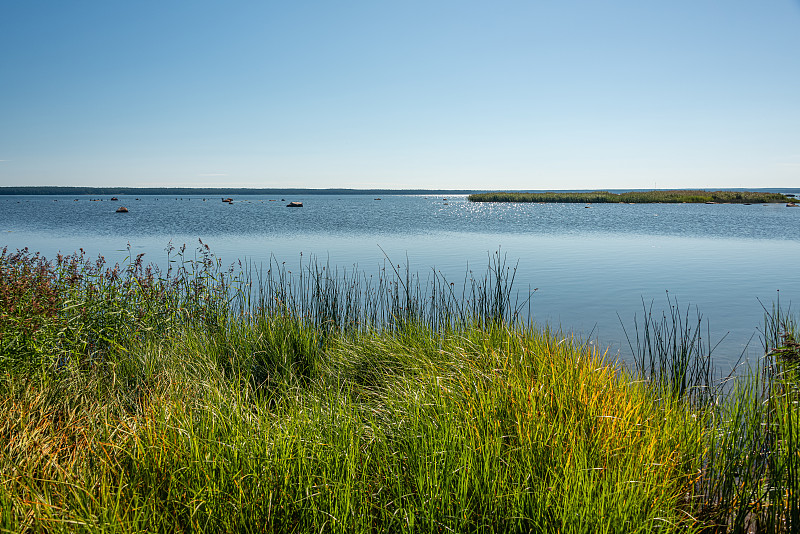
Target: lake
[{"x": 588, "y": 265}]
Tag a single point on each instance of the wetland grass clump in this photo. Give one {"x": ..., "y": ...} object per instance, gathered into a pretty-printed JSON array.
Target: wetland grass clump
[
  {"x": 212, "y": 399},
  {"x": 697, "y": 196},
  {"x": 747, "y": 476}
]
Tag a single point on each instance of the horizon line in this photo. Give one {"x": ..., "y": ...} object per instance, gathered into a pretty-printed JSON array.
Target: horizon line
[{"x": 123, "y": 190}]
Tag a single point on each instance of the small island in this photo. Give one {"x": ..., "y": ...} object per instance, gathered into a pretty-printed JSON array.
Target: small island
[{"x": 638, "y": 197}]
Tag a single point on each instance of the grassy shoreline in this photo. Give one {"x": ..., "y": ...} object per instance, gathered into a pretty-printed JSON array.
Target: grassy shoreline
[
  {"x": 638, "y": 197},
  {"x": 213, "y": 399}
]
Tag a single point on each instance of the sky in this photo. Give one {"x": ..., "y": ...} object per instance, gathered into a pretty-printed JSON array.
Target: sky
[{"x": 537, "y": 94}]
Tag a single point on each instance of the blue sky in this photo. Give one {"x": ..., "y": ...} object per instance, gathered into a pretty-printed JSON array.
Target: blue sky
[{"x": 537, "y": 94}]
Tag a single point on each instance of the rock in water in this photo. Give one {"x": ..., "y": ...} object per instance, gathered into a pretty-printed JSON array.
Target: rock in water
[{"x": 294, "y": 205}]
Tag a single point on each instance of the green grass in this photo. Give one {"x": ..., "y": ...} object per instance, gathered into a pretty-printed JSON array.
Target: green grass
[
  {"x": 637, "y": 197},
  {"x": 206, "y": 399}
]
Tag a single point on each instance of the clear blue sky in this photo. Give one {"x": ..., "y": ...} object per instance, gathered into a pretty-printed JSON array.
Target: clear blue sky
[{"x": 538, "y": 94}]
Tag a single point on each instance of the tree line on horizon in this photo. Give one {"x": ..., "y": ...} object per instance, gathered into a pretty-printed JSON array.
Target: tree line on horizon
[{"x": 77, "y": 190}]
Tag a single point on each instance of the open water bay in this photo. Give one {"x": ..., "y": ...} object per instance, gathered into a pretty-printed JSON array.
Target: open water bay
[{"x": 589, "y": 266}]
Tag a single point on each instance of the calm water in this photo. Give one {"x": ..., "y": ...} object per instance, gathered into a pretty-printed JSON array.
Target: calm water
[{"x": 588, "y": 264}]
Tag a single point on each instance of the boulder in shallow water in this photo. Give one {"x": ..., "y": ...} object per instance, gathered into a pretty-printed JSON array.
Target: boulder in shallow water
[
  {"x": 122, "y": 209},
  {"x": 294, "y": 205}
]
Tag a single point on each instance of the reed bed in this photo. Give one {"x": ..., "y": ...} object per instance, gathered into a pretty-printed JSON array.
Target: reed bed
[
  {"x": 203, "y": 398},
  {"x": 638, "y": 197}
]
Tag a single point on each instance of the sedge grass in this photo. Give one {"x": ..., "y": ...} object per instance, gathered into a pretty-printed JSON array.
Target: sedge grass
[{"x": 203, "y": 399}]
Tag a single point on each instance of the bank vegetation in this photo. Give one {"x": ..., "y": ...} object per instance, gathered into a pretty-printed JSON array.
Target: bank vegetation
[{"x": 201, "y": 398}]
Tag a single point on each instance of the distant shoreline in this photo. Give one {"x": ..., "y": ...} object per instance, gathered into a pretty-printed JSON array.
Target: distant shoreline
[
  {"x": 223, "y": 191},
  {"x": 692, "y": 196},
  {"x": 228, "y": 191}
]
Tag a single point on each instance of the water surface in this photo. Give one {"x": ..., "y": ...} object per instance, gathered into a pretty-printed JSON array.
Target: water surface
[{"x": 588, "y": 265}]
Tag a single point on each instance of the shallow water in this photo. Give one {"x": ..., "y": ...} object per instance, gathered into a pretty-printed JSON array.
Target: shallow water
[{"x": 588, "y": 265}]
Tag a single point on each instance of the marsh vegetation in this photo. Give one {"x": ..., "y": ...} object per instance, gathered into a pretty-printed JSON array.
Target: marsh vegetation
[
  {"x": 638, "y": 197},
  {"x": 206, "y": 398}
]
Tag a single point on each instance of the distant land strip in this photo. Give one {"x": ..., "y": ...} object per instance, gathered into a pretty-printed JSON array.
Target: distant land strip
[
  {"x": 211, "y": 191},
  {"x": 638, "y": 197}
]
